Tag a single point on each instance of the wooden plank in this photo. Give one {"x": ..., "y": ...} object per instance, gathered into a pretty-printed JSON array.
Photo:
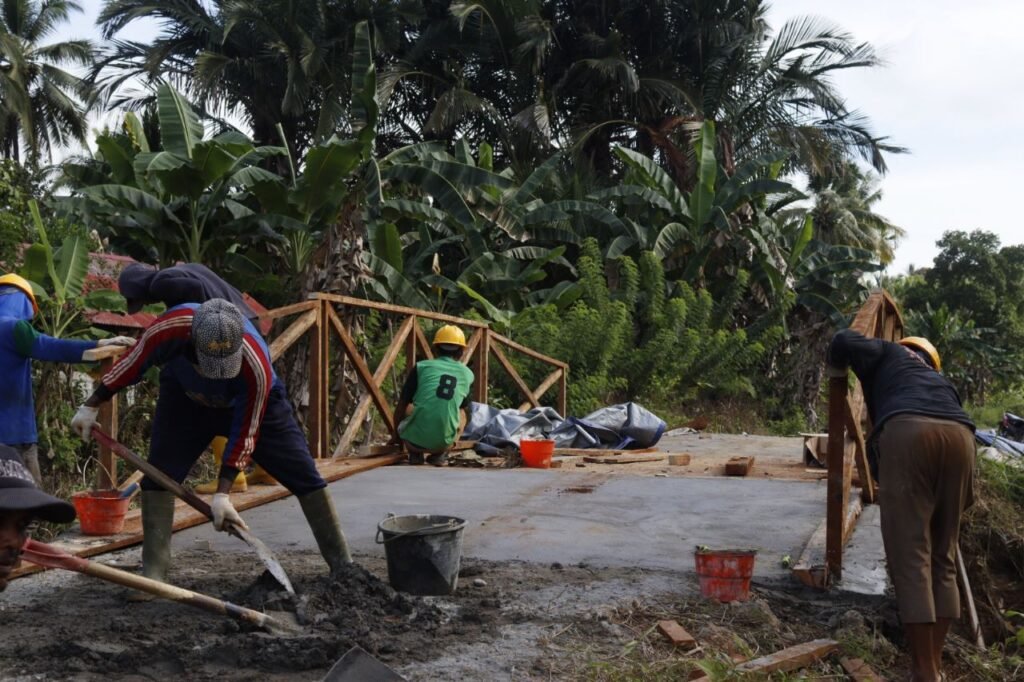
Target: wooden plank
[
  {"x": 838, "y": 492},
  {"x": 598, "y": 451},
  {"x": 187, "y": 517},
  {"x": 410, "y": 347},
  {"x": 624, "y": 459},
  {"x": 324, "y": 330},
  {"x": 681, "y": 460},
  {"x": 421, "y": 341},
  {"x": 374, "y": 394},
  {"x": 104, "y": 353},
  {"x": 390, "y": 308},
  {"x": 287, "y": 310},
  {"x": 853, "y": 511},
  {"x": 858, "y": 670},
  {"x": 293, "y": 333},
  {"x": 482, "y": 370},
  {"x": 514, "y": 375},
  {"x": 471, "y": 346},
  {"x": 369, "y": 381},
  {"x": 867, "y": 483},
  {"x": 971, "y": 612},
  {"x": 791, "y": 658},
  {"x": 563, "y": 392},
  {"x": 541, "y": 389},
  {"x": 527, "y": 351},
  {"x": 811, "y": 568},
  {"x": 739, "y": 466},
  {"x": 317, "y": 359},
  {"x": 675, "y": 633}
]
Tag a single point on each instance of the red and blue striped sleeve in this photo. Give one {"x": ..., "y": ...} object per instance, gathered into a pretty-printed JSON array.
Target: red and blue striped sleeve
[
  {"x": 164, "y": 338},
  {"x": 258, "y": 377}
]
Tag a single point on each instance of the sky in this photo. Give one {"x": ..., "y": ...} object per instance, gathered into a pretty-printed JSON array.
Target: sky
[{"x": 952, "y": 91}]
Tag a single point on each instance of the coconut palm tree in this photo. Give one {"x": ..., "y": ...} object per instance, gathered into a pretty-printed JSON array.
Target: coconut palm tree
[{"x": 40, "y": 102}]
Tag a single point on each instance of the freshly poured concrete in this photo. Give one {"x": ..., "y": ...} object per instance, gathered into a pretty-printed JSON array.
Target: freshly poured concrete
[{"x": 614, "y": 520}]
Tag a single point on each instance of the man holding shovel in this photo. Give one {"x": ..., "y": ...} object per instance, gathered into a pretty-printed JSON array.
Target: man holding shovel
[
  {"x": 216, "y": 378},
  {"x": 21, "y": 503}
]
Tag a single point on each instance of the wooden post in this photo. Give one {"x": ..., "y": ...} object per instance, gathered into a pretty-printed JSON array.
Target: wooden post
[
  {"x": 838, "y": 494},
  {"x": 563, "y": 393},
  {"x": 483, "y": 356},
  {"x": 410, "y": 347},
  {"x": 106, "y": 475},
  {"x": 314, "y": 413},
  {"x": 324, "y": 371}
]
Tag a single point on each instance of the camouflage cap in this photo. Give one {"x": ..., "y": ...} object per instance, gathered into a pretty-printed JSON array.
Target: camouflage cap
[{"x": 217, "y": 330}]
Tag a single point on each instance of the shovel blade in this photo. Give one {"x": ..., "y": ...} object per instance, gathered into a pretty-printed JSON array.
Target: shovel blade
[{"x": 266, "y": 556}]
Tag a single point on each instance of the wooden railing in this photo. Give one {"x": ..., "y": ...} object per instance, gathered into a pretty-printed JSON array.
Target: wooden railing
[
  {"x": 848, "y": 421},
  {"x": 320, "y": 319}
]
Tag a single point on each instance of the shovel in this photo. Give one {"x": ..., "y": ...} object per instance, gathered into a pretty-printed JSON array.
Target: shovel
[
  {"x": 48, "y": 556},
  {"x": 273, "y": 566}
]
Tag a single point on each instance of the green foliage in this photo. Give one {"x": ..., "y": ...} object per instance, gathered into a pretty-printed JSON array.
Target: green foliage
[{"x": 639, "y": 342}]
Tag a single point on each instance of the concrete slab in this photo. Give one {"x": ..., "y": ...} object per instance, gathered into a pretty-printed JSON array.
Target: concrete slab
[
  {"x": 864, "y": 568},
  {"x": 607, "y": 520}
]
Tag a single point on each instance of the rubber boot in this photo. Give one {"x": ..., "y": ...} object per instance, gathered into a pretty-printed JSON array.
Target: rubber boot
[
  {"x": 323, "y": 521},
  {"x": 157, "y": 526},
  {"x": 210, "y": 487},
  {"x": 259, "y": 476}
]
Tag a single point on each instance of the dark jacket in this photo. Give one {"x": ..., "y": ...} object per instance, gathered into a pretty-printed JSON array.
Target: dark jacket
[
  {"x": 896, "y": 380},
  {"x": 186, "y": 283}
]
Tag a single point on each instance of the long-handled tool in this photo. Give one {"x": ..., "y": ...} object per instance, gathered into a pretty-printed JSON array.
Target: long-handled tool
[
  {"x": 197, "y": 503},
  {"x": 46, "y": 555}
]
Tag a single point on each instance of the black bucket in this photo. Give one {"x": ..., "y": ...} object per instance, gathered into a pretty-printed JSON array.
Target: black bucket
[{"x": 423, "y": 552}]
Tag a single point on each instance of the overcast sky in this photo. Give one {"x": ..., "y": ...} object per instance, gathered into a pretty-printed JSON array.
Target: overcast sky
[{"x": 952, "y": 91}]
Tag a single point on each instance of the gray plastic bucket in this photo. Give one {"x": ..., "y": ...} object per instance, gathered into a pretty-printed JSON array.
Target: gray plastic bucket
[{"x": 423, "y": 552}]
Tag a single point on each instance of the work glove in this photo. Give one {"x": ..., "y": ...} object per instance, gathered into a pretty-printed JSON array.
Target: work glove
[
  {"x": 84, "y": 420},
  {"x": 224, "y": 513},
  {"x": 125, "y": 341}
]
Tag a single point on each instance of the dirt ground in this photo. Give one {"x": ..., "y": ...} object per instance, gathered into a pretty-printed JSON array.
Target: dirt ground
[{"x": 506, "y": 621}]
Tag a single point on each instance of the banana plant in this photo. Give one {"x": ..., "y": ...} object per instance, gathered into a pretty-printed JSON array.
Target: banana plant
[{"x": 181, "y": 202}]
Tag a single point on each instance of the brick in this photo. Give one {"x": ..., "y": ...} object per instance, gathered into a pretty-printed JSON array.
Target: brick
[
  {"x": 739, "y": 466},
  {"x": 679, "y": 460}
]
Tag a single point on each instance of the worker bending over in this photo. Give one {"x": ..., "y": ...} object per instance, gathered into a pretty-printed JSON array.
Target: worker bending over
[
  {"x": 21, "y": 504},
  {"x": 923, "y": 445},
  {"x": 20, "y": 343},
  {"x": 434, "y": 399},
  {"x": 216, "y": 378},
  {"x": 143, "y": 285}
]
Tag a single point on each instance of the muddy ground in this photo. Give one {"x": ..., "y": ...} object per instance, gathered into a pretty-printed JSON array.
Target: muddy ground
[{"x": 511, "y": 621}]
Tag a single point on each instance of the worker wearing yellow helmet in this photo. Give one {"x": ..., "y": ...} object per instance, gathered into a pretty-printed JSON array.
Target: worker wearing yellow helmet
[
  {"x": 922, "y": 450},
  {"x": 434, "y": 400},
  {"x": 20, "y": 343}
]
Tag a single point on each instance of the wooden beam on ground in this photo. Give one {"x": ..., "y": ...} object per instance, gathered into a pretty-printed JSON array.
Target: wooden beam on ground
[
  {"x": 390, "y": 308},
  {"x": 858, "y": 670},
  {"x": 187, "y": 517},
  {"x": 371, "y": 382},
  {"x": 853, "y": 511},
  {"x": 790, "y": 658},
  {"x": 623, "y": 459},
  {"x": 680, "y": 460},
  {"x": 811, "y": 568},
  {"x": 599, "y": 451},
  {"x": 293, "y": 333},
  {"x": 514, "y": 375},
  {"x": 739, "y": 466},
  {"x": 541, "y": 389}
]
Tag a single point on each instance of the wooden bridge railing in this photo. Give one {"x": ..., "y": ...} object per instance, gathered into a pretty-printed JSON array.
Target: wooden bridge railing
[
  {"x": 320, "y": 319},
  {"x": 848, "y": 422}
]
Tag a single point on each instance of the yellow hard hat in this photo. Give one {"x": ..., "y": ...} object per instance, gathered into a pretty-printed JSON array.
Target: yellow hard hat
[
  {"x": 921, "y": 343},
  {"x": 20, "y": 282},
  {"x": 451, "y": 335}
]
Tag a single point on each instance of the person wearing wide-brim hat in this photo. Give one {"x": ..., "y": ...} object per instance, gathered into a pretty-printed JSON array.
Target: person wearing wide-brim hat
[{"x": 21, "y": 503}]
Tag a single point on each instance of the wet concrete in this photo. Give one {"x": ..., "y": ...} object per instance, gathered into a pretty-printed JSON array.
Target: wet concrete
[
  {"x": 864, "y": 571},
  {"x": 543, "y": 517}
]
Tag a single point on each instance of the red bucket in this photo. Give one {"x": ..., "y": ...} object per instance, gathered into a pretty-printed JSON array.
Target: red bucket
[
  {"x": 725, "y": 575},
  {"x": 101, "y": 512},
  {"x": 537, "y": 453}
]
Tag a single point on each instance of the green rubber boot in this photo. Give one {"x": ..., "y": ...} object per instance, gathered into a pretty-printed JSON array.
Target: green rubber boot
[
  {"x": 323, "y": 521},
  {"x": 157, "y": 524}
]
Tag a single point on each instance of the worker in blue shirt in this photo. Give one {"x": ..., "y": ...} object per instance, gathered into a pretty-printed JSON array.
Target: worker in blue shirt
[{"x": 20, "y": 343}]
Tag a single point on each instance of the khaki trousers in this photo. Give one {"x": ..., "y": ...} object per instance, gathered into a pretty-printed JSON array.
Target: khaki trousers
[{"x": 926, "y": 475}]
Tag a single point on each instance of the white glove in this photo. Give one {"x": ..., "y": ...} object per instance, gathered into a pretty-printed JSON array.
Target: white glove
[
  {"x": 125, "y": 341},
  {"x": 224, "y": 513},
  {"x": 84, "y": 420}
]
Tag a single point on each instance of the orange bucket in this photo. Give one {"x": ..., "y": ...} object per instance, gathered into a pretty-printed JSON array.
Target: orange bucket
[
  {"x": 537, "y": 453},
  {"x": 725, "y": 574},
  {"x": 101, "y": 512}
]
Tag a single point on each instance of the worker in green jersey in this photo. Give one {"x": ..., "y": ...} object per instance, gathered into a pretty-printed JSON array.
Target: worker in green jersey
[{"x": 434, "y": 402}]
